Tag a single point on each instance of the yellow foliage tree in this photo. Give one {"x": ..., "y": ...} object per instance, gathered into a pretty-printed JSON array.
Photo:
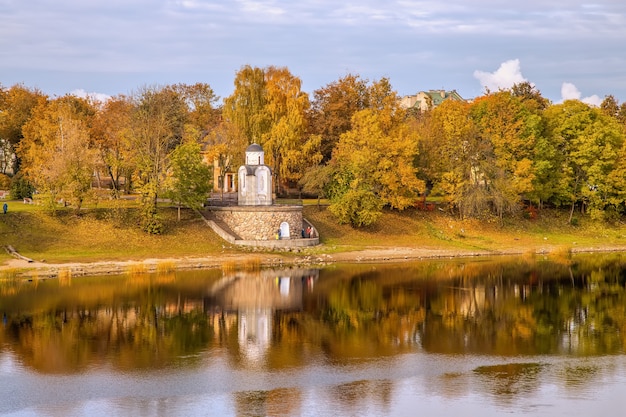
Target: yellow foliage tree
[
  {"x": 372, "y": 165},
  {"x": 56, "y": 151}
]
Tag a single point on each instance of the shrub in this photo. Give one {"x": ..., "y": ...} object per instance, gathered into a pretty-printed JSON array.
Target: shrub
[
  {"x": 5, "y": 182},
  {"x": 21, "y": 188}
]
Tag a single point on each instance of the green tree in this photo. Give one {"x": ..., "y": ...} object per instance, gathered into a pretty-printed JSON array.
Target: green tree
[
  {"x": 21, "y": 187},
  {"x": 189, "y": 181},
  {"x": 315, "y": 181},
  {"x": 590, "y": 143},
  {"x": 157, "y": 127}
]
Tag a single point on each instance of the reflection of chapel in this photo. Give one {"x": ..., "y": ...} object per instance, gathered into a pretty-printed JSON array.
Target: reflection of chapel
[{"x": 255, "y": 179}]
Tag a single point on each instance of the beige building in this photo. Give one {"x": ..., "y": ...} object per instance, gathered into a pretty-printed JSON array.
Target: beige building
[{"x": 428, "y": 100}]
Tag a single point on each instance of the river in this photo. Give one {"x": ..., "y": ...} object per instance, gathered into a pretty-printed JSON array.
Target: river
[{"x": 476, "y": 337}]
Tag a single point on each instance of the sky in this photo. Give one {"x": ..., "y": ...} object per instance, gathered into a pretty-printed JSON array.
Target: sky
[{"x": 565, "y": 48}]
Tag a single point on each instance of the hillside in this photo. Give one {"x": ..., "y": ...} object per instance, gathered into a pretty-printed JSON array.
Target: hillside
[{"x": 106, "y": 236}]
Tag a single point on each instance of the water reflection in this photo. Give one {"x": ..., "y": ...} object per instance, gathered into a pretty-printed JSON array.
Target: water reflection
[{"x": 346, "y": 337}]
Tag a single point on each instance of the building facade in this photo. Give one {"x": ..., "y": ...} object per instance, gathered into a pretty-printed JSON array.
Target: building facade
[{"x": 428, "y": 100}]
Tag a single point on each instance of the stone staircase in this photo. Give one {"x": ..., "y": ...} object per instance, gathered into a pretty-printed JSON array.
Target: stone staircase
[{"x": 214, "y": 222}]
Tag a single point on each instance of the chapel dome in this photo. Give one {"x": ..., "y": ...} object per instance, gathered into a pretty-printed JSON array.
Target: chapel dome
[{"x": 255, "y": 147}]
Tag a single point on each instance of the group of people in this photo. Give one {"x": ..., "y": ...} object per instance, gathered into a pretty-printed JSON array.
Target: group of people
[{"x": 309, "y": 232}]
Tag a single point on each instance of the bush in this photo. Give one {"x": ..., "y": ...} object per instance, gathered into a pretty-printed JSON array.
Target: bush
[
  {"x": 5, "y": 182},
  {"x": 21, "y": 188}
]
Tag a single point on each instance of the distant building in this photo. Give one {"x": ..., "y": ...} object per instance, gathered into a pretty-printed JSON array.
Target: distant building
[
  {"x": 223, "y": 177},
  {"x": 428, "y": 100}
]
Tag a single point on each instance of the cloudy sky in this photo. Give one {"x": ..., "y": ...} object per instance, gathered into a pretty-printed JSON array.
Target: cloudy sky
[{"x": 566, "y": 48}]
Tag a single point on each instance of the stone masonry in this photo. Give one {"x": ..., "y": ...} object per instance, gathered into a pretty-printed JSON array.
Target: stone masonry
[{"x": 261, "y": 222}]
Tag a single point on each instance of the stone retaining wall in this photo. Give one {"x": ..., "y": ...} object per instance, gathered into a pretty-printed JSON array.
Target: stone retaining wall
[{"x": 259, "y": 223}]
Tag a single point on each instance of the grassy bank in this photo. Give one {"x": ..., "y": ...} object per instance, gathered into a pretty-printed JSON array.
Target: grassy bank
[
  {"x": 109, "y": 234},
  {"x": 436, "y": 230},
  {"x": 103, "y": 234}
]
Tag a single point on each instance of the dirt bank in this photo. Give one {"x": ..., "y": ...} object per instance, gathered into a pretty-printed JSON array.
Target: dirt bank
[{"x": 23, "y": 268}]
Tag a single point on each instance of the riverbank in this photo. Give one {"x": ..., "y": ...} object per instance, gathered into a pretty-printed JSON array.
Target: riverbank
[
  {"x": 97, "y": 243},
  {"x": 19, "y": 268}
]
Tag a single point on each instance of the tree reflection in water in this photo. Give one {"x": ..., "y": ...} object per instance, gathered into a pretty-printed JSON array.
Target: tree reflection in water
[{"x": 525, "y": 307}]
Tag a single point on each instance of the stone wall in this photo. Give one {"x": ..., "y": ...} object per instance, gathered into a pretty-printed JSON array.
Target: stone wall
[{"x": 260, "y": 222}]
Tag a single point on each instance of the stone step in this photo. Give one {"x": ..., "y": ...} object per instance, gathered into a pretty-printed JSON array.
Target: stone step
[{"x": 209, "y": 216}]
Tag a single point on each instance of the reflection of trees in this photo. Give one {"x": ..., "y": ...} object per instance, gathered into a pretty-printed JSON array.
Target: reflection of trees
[
  {"x": 576, "y": 306},
  {"x": 133, "y": 322},
  {"x": 363, "y": 318},
  {"x": 532, "y": 314}
]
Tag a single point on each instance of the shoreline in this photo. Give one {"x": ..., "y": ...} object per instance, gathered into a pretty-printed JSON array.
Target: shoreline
[{"x": 20, "y": 268}]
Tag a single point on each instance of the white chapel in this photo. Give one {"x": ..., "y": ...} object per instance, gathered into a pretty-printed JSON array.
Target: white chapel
[{"x": 255, "y": 179}]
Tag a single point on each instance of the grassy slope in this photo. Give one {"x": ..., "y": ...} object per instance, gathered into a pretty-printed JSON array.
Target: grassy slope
[
  {"x": 436, "y": 230},
  {"x": 98, "y": 234}
]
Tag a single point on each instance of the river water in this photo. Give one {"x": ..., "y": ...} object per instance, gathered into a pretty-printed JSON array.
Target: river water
[{"x": 475, "y": 337}]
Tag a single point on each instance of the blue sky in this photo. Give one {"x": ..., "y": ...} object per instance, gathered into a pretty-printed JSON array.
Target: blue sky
[{"x": 567, "y": 48}]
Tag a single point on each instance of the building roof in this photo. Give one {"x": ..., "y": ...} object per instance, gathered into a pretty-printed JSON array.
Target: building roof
[
  {"x": 254, "y": 148},
  {"x": 251, "y": 169},
  {"x": 425, "y": 100}
]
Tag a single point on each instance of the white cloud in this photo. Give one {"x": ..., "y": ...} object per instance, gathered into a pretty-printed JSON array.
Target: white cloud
[
  {"x": 570, "y": 92},
  {"x": 503, "y": 78},
  {"x": 99, "y": 97}
]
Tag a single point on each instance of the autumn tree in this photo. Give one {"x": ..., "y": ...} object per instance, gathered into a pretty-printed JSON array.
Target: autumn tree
[
  {"x": 245, "y": 107},
  {"x": 285, "y": 142},
  {"x": 200, "y": 100},
  {"x": 157, "y": 127},
  {"x": 611, "y": 107},
  {"x": 56, "y": 150},
  {"x": 16, "y": 107},
  {"x": 332, "y": 109},
  {"x": 511, "y": 131},
  {"x": 530, "y": 97},
  {"x": 372, "y": 165},
  {"x": 111, "y": 134},
  {"x": 269, "y": 108},
  {"x": 224, "y": 150},
  {"x": 457, "y": 158}
]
